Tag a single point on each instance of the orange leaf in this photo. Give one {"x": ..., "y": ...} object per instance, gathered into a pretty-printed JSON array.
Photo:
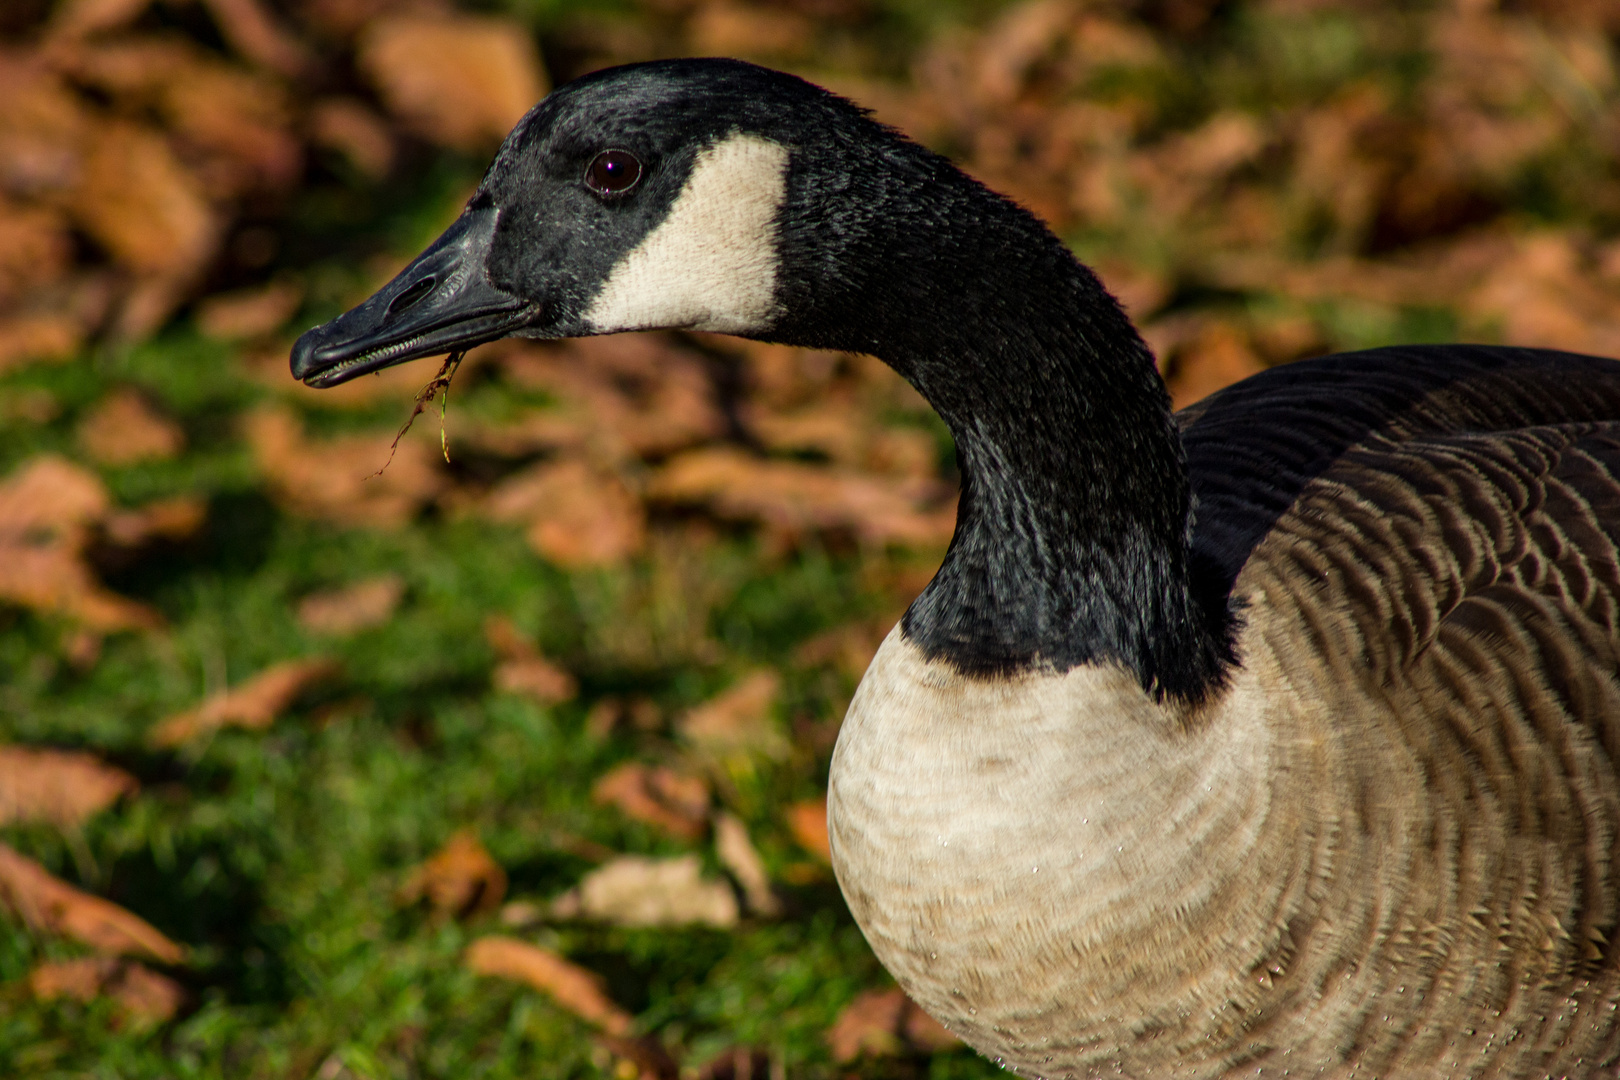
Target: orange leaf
[
  {"x": 636, "y": 891},
  {"x": 50, "y": 905},
  {"x": 254, "y": 704},
  {"x": 661, "y": 797},
  {"x": 462, "y": 81},
  {"x": 883, "y": 1023},
  {"x": 578, "y": 516},
  {"x": 356, "y": 607},
  {"x": 460, "y": 879},
  {"x": 572, "y": 987},
  {"x": 141, "y": 993},
  {"x": 523, "y": 669},
  {"x": 62, "y": 788},
  {"x": 339, "y": 479},
  {"x": 738, "y": 721},
  {"x": 738, "y": 854},
  {"x": 124, "y": 429},
  {"x": 808, "y": 822}
]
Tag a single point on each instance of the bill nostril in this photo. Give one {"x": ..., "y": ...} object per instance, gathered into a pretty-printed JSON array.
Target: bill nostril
[{"x": 411, "y": 295}]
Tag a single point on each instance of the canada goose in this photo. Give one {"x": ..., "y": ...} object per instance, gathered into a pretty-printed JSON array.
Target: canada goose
[{"x": 1275, "y": 739}]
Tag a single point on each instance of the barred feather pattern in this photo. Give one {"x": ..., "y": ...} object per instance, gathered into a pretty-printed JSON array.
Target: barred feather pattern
[{"x": 1388, "y": 847}]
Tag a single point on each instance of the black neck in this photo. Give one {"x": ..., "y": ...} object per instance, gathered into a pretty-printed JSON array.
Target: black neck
[{"x": 1072, "y": 539}]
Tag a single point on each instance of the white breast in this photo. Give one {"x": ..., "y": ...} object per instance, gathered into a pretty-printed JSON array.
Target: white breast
[{"x": 1027, "y": 854}]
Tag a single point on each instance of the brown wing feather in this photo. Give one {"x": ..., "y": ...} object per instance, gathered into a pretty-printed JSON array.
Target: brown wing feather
[{"x": 1459, "y": 597}]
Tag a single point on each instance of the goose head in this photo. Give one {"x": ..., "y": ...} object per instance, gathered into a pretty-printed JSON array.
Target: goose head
[
  {"x": 717, "y": 195},
  {"x": 705, "y": 195}
]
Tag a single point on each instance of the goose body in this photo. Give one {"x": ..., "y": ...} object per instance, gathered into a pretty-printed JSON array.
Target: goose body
[{"x": 1274, "y": 739}]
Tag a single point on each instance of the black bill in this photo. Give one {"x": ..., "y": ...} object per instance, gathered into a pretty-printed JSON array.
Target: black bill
[{"x": 440, "y": 303}]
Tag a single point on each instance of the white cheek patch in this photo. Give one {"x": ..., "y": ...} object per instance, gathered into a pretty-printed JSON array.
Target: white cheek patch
[{"x": 711, "y": 264}]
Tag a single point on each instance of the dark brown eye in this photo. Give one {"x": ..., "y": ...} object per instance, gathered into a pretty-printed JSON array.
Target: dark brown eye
[{"x": 612, "y": 172}]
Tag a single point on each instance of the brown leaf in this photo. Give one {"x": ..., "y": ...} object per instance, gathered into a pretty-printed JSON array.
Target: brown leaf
[
  {"x": 869, "y": 1025},
  {"x": 140, "y": 204},
  {"x": 352, "y": 608},
  {"x": 35, "y": 249},
  {"x": 46, "y": 509},
  {"x": 795, "y": 497},
  {"x": 619, "y": 395},
  {"x": 253, "y": 704},
  {"x": 59, "y": 787},
  {"x": 1217, "y": 358},
  {"x": 572, "y": 987},
  {"x": 807, "y": 821},
  {"x": 729, "y": 29},
  {"x": 50, "y": 494},
  {"x": 53, "y": 577},
  {"x": 78, "y": 18},
  {"x": 124, "y": 429},
  {"x": 636, "y": 891},
  {"x": 142, "y": 995},
  {"x": 35, "y": 336},
  {"x": 253, "y": 33},
  {"x": 337, "y": 479},
  {"x": 675, "y": 802},
  {"x": 50, "y": 905},
  {"x": 347, "y": 126},
  {"x": 579, "y": 517},
  {"x": 523, "y": 670},
  {"x": 738, "y": 722},
  {"x": 175, "y": 518},
  {"x": 462, "y": 81},
  {"x": 885, "y": 1023},
  {"x": 251, "y": 312},
  {"x": 738, "y": 854},
  {"x": 459, "y": 881}
]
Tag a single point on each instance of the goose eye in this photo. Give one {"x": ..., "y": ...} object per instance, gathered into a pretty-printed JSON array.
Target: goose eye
[{"x": 612, "y": 172}]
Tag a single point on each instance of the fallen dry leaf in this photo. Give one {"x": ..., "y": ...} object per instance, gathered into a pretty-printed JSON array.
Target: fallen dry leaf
[
  {"x": 50, "y": 493},
  {"x": 353, "y": 130},
  {"x": 124, "y": 429},
  {"x": 636, "y": 891},
  {"x": 338, "y": 479},
  {"x": 885, "y": 1023},
  {"x": 807, "y": 821},
  {"x": 1217, "y": 358},
  {"x": 458, "y": 881},
  {"x": 523, "y": 670},
  {"x": 250, "y": 312},
  {"x": 142, "y": 995},
  {"x": 175, "y": 518},
  {"x": 59, "y": 787},
  {"x": 794, "y": 497},
  {"x": 462, "y": 81},
  {"x": 253, "y": 704},
  {"x": 579, "y": 517},
  {"x": 675, "y": 802},
  {"x": 572, "y": 987},
  {"x": 49, "y": 905},
  {"x": 46, "y": 336},
  {"x": 139, "y": 203},
  {"x": 738, "y": 854},
  {"x": 738, "y": 722},
  {"x": 352, "y": 608},
  {"x": 46, "y": 510}
]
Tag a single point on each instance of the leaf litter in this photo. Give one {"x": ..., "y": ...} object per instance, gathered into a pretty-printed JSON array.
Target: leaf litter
[{"x": 153, "y": 151}]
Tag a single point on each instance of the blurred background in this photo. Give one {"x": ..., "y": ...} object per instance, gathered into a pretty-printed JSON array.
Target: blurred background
[{"x": 502, "y": 751}]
